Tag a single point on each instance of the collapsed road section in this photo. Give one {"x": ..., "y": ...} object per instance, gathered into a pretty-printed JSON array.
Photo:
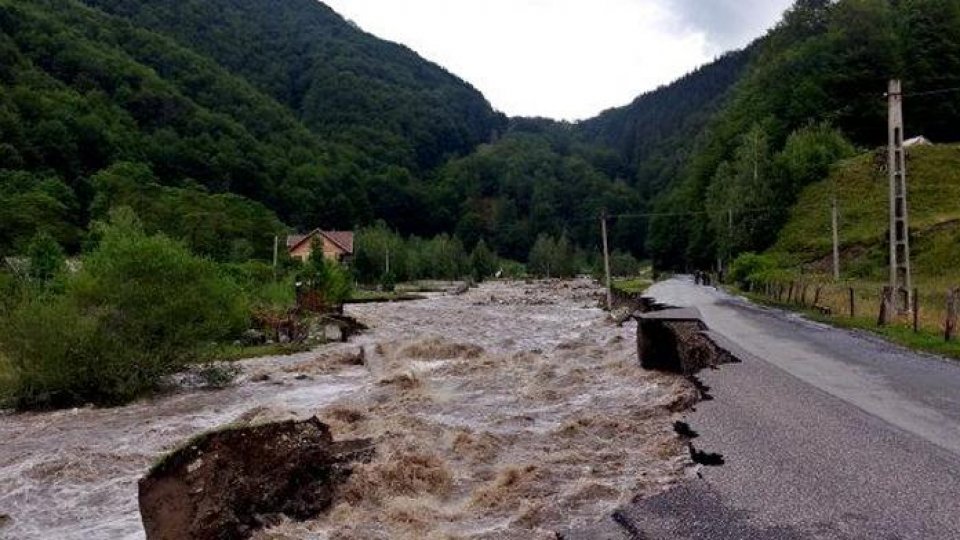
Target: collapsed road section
[
  {"x": 678, "y": 341},
  {"x": 822, "y": 433}
]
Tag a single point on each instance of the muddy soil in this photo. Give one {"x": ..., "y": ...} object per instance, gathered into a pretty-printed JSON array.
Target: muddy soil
[{"x": 511, "y": 411}]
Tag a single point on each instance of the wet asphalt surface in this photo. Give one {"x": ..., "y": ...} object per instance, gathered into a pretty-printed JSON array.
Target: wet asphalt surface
[{"x": 823, "y": 433}]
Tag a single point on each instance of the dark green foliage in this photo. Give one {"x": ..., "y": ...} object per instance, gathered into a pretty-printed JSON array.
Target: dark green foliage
[
  {"x": 343, "y": 83},
  {"x": 621, "y": 265},
  {"x": 325, "y": 277},
  {"x": 140, "y": 308},
  {"x": 36, "y": 203},
  {"x": 46, "y": 257},
  {"x": 750, "y": 268},
  {"x": 413, "y": 258},
  {"x": 224, "y": 226},
  {"x": 825, "y": 66},
  {"x": 483, "y": 262},
  {"x": 553, "y": 258},
  {"x": 526, "y": 185}
]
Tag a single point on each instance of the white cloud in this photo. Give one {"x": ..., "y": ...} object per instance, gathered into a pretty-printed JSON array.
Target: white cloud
[{"x": 566, "y": 59}]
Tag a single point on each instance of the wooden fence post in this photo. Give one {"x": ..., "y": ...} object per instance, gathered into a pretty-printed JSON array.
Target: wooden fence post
[
  {"x": 853, "y": 304},
  {"x": 790, "y": 293},
  {"x": 951, "y": 324},
  {"x": 803, "y": 296},
  {"x": 816, "y": 296},
  {"x": 916, "y": 311},
  {"x": 886, "y": 297}
]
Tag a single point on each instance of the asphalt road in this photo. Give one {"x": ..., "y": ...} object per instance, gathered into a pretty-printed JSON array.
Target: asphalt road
[{"x": 824, "y": 434}]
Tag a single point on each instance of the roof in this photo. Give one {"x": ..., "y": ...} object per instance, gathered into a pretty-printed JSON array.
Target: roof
[
  {"x": 341, "y": 239},
  {"x": 917, "y": 141}
]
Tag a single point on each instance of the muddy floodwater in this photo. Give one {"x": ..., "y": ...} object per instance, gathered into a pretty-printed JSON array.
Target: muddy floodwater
[{"x": 511, "y": 411}]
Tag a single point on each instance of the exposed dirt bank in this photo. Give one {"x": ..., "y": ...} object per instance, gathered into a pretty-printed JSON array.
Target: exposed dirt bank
[{"x": 511, "y": 411}]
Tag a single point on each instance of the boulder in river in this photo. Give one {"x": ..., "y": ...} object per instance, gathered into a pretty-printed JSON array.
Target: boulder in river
[{"x": 229, "y": 483}]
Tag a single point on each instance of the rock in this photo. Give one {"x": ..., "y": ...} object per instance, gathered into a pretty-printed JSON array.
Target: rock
[
  {"x": 228, "y": 484},
  {"x": 332, "y": 332},
  {"x": 5, "y": 520},
  {"x": 253, "y": 337},
  {"x": 621, "y": 315},
  {"x": 459, "y": 290}
]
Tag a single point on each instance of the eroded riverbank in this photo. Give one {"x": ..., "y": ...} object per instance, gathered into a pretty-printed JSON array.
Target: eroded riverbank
[{"x": 508, "y": 412}]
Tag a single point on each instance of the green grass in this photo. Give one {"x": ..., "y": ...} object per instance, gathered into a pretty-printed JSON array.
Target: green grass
[
  {"x": 232, "y": 353},
  {"x": 633, "y": 285},
  {"x": 804, "y": 246},
  {"x": 862, "y": 194}
]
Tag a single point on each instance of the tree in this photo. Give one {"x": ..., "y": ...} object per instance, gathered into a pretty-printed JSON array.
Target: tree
[
  {"x": 483, "y": 262},
  {"x": 543, "y": 255},
  {"x": 326, "y": 277},
  {"x": 140, "y": 308},
  {"x": 46, "y": 257}
]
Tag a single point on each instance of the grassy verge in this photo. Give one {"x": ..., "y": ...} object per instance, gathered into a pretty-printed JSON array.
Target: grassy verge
[
  {"x": 632, "y": 285},
  {"x": 232, "y": 353},
  {"x": 925, "y": 340}
]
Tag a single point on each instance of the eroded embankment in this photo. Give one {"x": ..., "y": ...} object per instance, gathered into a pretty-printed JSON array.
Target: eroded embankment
[{"x": 512, "y": 411}]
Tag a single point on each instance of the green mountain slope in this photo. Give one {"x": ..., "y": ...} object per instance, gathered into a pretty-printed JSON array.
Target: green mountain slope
[
  {"x": 826, "y": 63},
  {"x": 75, "y": 99},
  {"x": 656, "y": 133},
  {"x": 342, "y": 82},
  {"x": 861, "y": 187}
]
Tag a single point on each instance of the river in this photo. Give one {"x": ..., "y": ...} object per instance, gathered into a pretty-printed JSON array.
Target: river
[{"x": 511, "y": 411}]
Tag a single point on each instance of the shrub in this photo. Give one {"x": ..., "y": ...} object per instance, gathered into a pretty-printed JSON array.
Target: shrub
[
  {"x": 46, "y": 257},
  {"x": 483, "y": 262},
  {"x": 751, "y": 268},
  {"x": 140, "y": 308},
  {"x": 328, "y": 278}
]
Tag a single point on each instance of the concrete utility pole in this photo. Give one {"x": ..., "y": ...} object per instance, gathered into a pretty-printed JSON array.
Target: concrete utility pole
[
  {"x": 606, "y": 258},
  {"x": 900, "y": 278},
  {"x": 276, "y": 251},
  {"x": 836, "y": 239}
]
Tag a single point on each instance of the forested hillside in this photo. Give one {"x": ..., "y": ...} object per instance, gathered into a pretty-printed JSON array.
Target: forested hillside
[
  {"x": 815, "y": 88},
  {"x": 655, "y": 134},
  {"x": 86, "y": 94},
  {"x": 340, "y": 81},
  {"x": 236, "y": 119}
]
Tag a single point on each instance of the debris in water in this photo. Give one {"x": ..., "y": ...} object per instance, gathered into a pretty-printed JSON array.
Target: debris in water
[{"x": 227, "y": 484}]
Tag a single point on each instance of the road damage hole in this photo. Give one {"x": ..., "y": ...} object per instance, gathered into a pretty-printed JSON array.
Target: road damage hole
[
  {"x": 707, "y": 459},
  {"x": 684, "y": 430}
]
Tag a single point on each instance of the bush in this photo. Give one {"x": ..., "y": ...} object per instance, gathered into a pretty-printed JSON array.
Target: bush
[
  {"x": 554, "y": 258},
  {"x": 258, "y": 284},
  {"x": 751, "y": 268},
  {"x": 46, "y": 257},
  {"x": 328, "y": 278},
  {"x": 140, "y": 308},
  {"x": 483, "y": 262}
]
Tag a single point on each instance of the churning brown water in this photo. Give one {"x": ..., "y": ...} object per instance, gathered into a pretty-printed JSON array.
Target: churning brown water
[{"x": 508, "y": 412}]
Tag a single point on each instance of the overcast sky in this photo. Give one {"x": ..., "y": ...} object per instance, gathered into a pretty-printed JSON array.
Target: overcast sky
[{"x": 565, "y": 59}]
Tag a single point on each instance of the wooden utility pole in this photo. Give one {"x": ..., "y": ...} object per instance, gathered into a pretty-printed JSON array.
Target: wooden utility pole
[
  {"x": 606, "y": 258},
  {"x": 900, "y": 278},
  {"x": 836, "y": 240}
]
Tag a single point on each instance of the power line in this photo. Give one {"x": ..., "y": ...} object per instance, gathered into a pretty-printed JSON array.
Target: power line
[
  {"x": 933, "y": 92},
  {"x": 649, "y": 215}
]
